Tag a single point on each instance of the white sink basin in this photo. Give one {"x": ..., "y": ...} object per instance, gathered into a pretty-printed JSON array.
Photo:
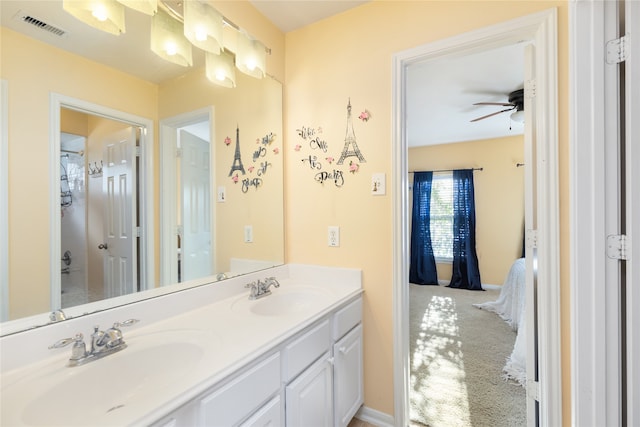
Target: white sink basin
[
  {"x": 95, "y": 393},
  {"x": 283, "y": 301}
]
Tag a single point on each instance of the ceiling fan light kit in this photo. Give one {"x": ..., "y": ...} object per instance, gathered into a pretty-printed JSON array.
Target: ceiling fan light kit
[{"x": 518, "y": 116}]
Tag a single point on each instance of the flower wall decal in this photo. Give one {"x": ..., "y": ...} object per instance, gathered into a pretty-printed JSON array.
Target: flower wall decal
[
  {"x": 353, "y": 167},
  {"x": 234, "y": 178},
  {"x": 330, "y": 159},
  {"x": 365, "y": 116},
  {"x": 297, "y": 147}
]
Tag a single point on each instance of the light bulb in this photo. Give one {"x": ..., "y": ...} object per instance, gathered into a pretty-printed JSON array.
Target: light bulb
[
  {"x": 171, "y": 48},
  {"x": 221, "y": 76},
  {"x": 201, "y": 34},
  {"x": 100, "y": 13},
  {"x": 251, "y": 64}
]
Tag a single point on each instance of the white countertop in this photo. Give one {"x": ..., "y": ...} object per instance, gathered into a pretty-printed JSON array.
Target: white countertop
[{"x": 229, "y": 335}]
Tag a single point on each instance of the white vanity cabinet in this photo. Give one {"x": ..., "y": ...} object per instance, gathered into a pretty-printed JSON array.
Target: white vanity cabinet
[
  {"x": 330, "y": 390},
  {"x": 313, "y": 378}
]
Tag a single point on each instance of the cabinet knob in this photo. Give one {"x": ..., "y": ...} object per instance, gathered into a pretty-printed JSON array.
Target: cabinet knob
[
  {"x": 330, "y": 360},
  {"x": 343, "y": 350}
]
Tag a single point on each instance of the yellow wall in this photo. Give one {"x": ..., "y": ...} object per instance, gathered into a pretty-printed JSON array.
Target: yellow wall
[
  {"x": 350, "y": 56},
  {"x": 499, "y": 197}
]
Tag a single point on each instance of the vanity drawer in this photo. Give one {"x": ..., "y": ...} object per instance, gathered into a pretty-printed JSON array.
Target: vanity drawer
[
  {"x": 234, "y": 401},
  {"x": 346, "y": 318},
  {"x": 304, "y": 350}
]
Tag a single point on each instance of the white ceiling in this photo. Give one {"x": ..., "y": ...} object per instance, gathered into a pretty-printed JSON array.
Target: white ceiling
[
  {"x": 440, "y": 92},
  {"x": 293, "y": 14}
]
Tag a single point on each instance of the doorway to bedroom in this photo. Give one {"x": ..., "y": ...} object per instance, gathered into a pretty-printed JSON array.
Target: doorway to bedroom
[
  {"x": 458, "y": 351},
  {"x": 538, "y": 34}
]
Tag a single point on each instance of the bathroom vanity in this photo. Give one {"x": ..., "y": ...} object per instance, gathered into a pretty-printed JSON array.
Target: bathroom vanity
[{"x": 208, "y": 356}]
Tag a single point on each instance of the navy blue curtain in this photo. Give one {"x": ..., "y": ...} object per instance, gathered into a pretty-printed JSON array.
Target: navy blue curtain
[
  {"x": 466, "y": 274},
  {"x": 422, "y": 270}
]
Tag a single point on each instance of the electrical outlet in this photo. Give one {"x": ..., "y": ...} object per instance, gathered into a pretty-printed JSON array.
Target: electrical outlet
[
  {"x": 334, "y": 236},
  {"x": 248, "y": 233}
]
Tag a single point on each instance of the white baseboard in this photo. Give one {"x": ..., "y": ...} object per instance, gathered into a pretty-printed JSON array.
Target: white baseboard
[{"x": 377, "y": 418}]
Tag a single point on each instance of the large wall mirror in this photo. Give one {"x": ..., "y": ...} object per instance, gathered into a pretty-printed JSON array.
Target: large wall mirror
[{"x": 99, "y": 129}]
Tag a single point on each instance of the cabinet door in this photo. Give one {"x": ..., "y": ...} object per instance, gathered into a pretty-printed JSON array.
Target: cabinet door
[
  {"x": 348, "y": 377},
  {"x": 309, "y": 398}
]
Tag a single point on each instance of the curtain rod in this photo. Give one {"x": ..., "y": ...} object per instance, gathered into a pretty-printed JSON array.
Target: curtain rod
[{"x": 448, "y": 170}]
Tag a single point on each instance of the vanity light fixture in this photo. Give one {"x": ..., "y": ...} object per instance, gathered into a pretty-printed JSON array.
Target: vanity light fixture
[
  {"x": 168, "y": 40},
  {"x": 203, "y": 26},
  {"x": 104, "y": 15},
  {"x": 220, "y": 69},
  {"x": 251, "y": 56},
  {"x": 148, "y": 7},
  {"x": 176, "y": 26}
]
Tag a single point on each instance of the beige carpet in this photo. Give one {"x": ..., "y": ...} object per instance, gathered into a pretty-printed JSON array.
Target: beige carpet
[{"x": 457, "y": 353}]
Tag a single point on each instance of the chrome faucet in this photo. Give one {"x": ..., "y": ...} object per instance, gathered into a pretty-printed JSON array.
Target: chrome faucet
[
  {"x": 260, "y": 288},
  {"x": 103, "y": 343}
]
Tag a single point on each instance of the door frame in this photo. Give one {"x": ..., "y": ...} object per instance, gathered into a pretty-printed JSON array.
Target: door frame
[
  {"x": 168, "y": 189},
  {"x": 145, "y": 187},
  {"x": 4, "y": 201},
  {"x": 541, "y": 28}
]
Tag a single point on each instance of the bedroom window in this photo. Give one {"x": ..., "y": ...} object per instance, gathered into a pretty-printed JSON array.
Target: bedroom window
[{"x": 442, "y": 216}]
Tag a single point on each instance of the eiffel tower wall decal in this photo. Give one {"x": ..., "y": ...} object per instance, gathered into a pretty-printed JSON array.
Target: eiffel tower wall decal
[
  {"x": 350, "y": 145},
  {"x": 237, "y": 159}
]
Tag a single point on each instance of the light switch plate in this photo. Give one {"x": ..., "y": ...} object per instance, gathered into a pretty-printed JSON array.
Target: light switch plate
[
  {"x": 248, "y": 234},
  {"x": 222, "y": 195},
  {"x": 378, "y": 184},
  {"x": 334, "y": 236}
]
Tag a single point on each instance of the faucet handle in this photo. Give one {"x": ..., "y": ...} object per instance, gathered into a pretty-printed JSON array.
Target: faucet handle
[
  {"x": 79, "y": 349},
  {"x": 66, "y": 341},
  {"x": 273, "y": 281}
]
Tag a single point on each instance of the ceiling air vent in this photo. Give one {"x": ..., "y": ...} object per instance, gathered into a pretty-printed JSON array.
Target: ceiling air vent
[{"x": 40, "y": 24}]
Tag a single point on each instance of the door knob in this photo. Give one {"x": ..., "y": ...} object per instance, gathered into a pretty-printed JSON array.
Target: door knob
[{"x": 102, "y": 246}]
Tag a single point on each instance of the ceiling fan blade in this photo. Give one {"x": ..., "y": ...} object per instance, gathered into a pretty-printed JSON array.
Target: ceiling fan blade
[
  {"x": 501, "y": 104},
  {"x": 492, "y": 114}
]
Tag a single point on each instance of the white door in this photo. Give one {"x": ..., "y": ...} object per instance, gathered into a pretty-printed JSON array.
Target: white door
[
  {"x": 195, "y": 178},
  {"x": 119, "y": 190},
  {"x": 309, "y": 398}
]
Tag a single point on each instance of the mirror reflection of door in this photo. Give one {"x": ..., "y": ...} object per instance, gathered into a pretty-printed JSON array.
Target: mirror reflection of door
[
  {"x": 98, "y": 197},
  {"x": 195, "y": 208},
  {"x": 119, "y": 204}
]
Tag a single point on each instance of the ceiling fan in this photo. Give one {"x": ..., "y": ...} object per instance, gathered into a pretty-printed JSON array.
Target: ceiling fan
[{"x": 515, "y": 104}]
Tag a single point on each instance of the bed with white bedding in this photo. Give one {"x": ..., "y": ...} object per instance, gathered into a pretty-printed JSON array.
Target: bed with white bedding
[{"x": 510, "y": 306}]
